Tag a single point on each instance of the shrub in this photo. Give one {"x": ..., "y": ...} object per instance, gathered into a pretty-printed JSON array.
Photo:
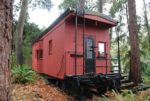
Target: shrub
[
  {"x": 124, "y": 96},
  {"x": 146, "y": 79},
  {"x": 145, "y": 71},
  {"x": 146, "y": 75},
  {"x": 23, "y": 74}
]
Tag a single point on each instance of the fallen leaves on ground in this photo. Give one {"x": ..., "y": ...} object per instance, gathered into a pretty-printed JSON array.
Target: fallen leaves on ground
[
  {"x": 144, "y": 95},
  {"x": 38, "y": 91}
]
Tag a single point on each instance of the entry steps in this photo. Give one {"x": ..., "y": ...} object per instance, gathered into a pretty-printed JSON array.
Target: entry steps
[{"x": 125, "y": 82}]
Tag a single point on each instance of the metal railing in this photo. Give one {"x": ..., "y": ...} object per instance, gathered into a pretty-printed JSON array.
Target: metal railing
[{"x": 110, "y": 62}]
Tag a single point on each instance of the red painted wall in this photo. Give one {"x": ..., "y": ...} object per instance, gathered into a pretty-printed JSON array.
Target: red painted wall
[
  {"x": 52, "y": 63},
  {"x": 59, "y": 62},
  {"x": 99, "y": 35}
]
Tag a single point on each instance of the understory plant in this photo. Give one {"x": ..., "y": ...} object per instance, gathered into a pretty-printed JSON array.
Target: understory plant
[
  {"x": 126, "y": 95},
  {"x": 23, "y": 74}
]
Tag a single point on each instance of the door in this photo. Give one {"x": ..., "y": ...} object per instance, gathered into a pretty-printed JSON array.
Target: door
[{"x": 89, "y": 55}]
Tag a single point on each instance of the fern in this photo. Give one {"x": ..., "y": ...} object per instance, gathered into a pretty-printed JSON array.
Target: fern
[{"x": 23, "y": 74}]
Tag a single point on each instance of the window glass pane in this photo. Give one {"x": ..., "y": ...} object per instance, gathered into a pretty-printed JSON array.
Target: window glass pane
[
  {"x": 89, "y": 49},
  {"x": 101, "y": 48}
]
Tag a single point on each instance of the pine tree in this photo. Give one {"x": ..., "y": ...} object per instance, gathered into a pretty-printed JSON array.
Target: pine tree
[
  {"x": 134, "y": 43},
  {"x": 5, "y": 47}
]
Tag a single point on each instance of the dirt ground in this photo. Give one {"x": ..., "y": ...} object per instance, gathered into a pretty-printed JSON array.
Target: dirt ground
[{"x": 40, "y": 91}]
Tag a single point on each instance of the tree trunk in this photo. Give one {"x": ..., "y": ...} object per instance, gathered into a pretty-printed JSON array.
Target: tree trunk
[
  {"x": 19, "y": 32},
  {"x": 100, "y": 6},
  {"x": 135, "y": 74},
  {"x": 146, "y": 22},
  {"x": 5, "y": 47},
  {"x": 114, "y": 2}
]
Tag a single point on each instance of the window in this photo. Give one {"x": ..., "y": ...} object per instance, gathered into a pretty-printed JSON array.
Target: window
[
  {"x": 101, "y": 49},
  {"x": 39, "y": 54},
  {"x": 50, "y": 47}
]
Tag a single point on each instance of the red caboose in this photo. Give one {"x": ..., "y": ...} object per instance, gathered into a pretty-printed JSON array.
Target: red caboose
[{"x": 75, "y": 46}]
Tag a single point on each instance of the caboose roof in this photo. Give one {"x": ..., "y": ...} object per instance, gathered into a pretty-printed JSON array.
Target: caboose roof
[{"x": 99, "y": 17}]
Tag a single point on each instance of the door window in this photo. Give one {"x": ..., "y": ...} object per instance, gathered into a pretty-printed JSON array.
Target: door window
[{"x": 89, "y": 49}]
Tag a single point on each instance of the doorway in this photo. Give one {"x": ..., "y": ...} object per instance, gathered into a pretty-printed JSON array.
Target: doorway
[{"x": 89, "y": 55}]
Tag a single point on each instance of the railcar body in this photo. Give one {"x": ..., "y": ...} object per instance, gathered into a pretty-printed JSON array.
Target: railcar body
[{"x": 75, "y": 47}]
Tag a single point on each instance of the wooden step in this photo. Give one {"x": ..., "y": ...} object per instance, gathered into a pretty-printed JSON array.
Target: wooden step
[
  {"x": 127, "y": 85},
  {"x": 123, "y": 76},
  {"x": 125, "y": 80},
  {"x": 140, "y": 87}
]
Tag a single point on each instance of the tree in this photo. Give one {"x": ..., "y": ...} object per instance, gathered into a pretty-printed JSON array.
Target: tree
[
  {"x": 100, "y": 5},
  {"x": 5, "y": 47},
  {"x": 67, "y": 3},
  {"x": 89, "y": 5},
  {"x": 20, "y": 26},
  {"x": 135, "y": 74},
  {"x": 146, "y": 22},
  {"x": 117, "y": 6},
  {"x": 31, "y": 31},
  {"x": 19, "y": 32}
]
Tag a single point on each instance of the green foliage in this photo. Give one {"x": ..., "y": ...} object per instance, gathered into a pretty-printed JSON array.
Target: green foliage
[
  {"x": 67, "y": 3},
  {"x": 124, "y": 96},
  {"x": 44, "y": 4},
  {"x": 146, "y": 71},
  {"x": 116, "y": 7},
  {"x": 104, "y": 99},
  {"x": 90, "y": 5},
  {"x": 33, "y": 4},
  {"x": 23, "y": 74},
  {"x": 144, "y": 50},
  {"x": 146, "y": 79},
  {"x": 119, "y": 8},
  {"x": 31, "y": 31},
  {"x": 127, "y": 95}
]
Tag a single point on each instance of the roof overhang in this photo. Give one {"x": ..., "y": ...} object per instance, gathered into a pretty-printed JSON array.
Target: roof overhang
[{"x": 101, "y": 18}]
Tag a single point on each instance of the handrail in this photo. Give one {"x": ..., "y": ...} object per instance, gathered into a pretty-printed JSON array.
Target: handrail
[
  {"x": 106, "y": 59},
  {"x": 64, "y": 59}
]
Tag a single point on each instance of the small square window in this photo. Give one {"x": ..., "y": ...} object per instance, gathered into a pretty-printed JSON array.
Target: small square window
[
  {"x": 39, "y": 54},
  {"x": 101, "y": 49},
  {"x": 50, "y": 47}
]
